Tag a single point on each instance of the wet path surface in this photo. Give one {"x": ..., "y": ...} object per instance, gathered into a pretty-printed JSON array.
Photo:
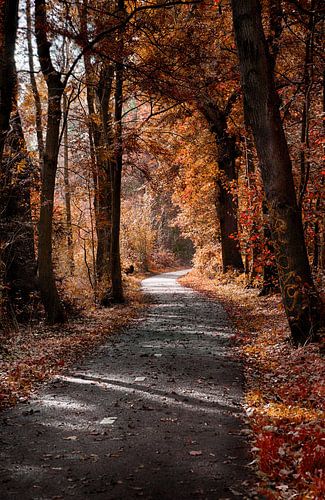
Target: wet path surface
[{"x": 154, "y": 413}]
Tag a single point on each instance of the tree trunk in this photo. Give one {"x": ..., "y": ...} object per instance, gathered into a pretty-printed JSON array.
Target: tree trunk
[
  {"x": 49, "y": 294},
  {"x": 67, "y": 190},
  {"x": 36, "y": 96},
  {"x": 251, "y": 254},
  {"x": 308, "y": 84},
  {"x": 300, "y": 299},
  {"x": 19, "y": 252},
  {"x": 101, "y": 144},
  {"x": 8, "y": 32},
  {"x": 270, "y": 272},
  {"x": 105, "y": 157},
  {"x": 226, "y": 203},
  {"x": 116, "y": 274}
]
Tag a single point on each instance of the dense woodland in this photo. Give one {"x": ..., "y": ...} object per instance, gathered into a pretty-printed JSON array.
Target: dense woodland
[
  {"x": 125, "y": 142},
  {"x": 139, "y": 135}
]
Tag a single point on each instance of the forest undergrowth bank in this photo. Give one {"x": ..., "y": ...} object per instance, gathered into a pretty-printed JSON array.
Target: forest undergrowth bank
[
  {"x": 284, "y": 398},
  {"x": 36, "y": 352}
]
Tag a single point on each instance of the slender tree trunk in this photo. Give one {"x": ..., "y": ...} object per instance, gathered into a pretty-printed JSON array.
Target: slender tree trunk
[
  {"x": 308, "y": 84},
  {"x": 116, "y": 274},
  {"x": 226, "y": 203},
  {"x": 49, "y": 294},
  {"x": 101, "y": 146},
  {"x": 67, "y": 189},
  {"x": 92, "y": 229},
  {"x": 251, "y": 254},
  {"x": 8, "y": 32},
  {"x": 36, "y": 95},
  {"x": 270, "y": 272},
  {"x": 319, "y": 228},
  {"x": 300, "y": 299}
]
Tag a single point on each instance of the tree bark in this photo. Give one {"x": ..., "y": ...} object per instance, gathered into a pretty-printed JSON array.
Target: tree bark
[
  {"x": 19, "y": 252},
  {"x": 270, "y": 272},
  {"x": 49, "y": 294},
  {"x": 226, "y": 203},
  {"x": 67, "y": 189},
  {"x": 36, "y": 95},
  {"x": 308, "y": 84},
  {"x": 8, "y": 32},
  {"x": 102, "y": 145},
  {"x": 116, "y": 274},
  {"x": 300, "y": 298}
]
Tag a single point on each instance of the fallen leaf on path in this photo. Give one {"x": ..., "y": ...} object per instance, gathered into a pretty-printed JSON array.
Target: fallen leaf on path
[
  {"x": 195, "y": 453},
  {"x": 108, "y": 420}
]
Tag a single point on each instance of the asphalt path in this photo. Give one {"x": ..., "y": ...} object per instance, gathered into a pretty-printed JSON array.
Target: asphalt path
[{"x": 154, "y": 413}]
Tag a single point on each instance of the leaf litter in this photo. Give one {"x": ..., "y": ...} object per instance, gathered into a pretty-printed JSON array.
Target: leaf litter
[
  {"x": 285, "y": 391},
  {"x": 39, "y": 352}
]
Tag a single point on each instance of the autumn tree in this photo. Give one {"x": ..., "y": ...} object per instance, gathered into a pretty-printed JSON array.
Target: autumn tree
[
  {"x": 49, "y": 293},
  {"x": 99, "y": 80},
  {"x": 178, "y": 66},
  {"x": 261, "y": 101}
]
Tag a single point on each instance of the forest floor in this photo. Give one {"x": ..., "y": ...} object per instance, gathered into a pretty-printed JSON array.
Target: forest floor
[
  {"x": 285, "y": 393},
  {"x": 36, "y": 352},
  {"x": 155, "y": 412}
]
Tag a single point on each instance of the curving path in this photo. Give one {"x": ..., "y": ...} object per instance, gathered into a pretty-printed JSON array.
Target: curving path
[{"x": 155, "y": 413}]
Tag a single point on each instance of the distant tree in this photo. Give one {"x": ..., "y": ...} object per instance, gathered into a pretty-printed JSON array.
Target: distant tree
[{"x": 179, "y": 65}]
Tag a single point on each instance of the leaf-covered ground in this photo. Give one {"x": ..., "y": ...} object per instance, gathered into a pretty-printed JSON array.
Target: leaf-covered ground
[
  {"x": 285, "y": 391},
  {"x": 36, "y": 353},
  {"x": 155, "y": 412}
]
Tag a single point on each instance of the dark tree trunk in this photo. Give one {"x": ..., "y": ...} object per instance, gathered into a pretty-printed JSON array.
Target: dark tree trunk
[
  {"x": 8, "y": 32},
  {"x": 116, "y": 274},
  {"x": 308, "y": 84},
  {"x": 226, "y": 203},
  {"x": 300, "y": 299},
  {"x": 319, "y": 228},
  {"x": 104, "y": 142},
  {"x": 19, "y": 252},
  {"x": 270, "y": 272},
  {"x": 49, "y": 294}
]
